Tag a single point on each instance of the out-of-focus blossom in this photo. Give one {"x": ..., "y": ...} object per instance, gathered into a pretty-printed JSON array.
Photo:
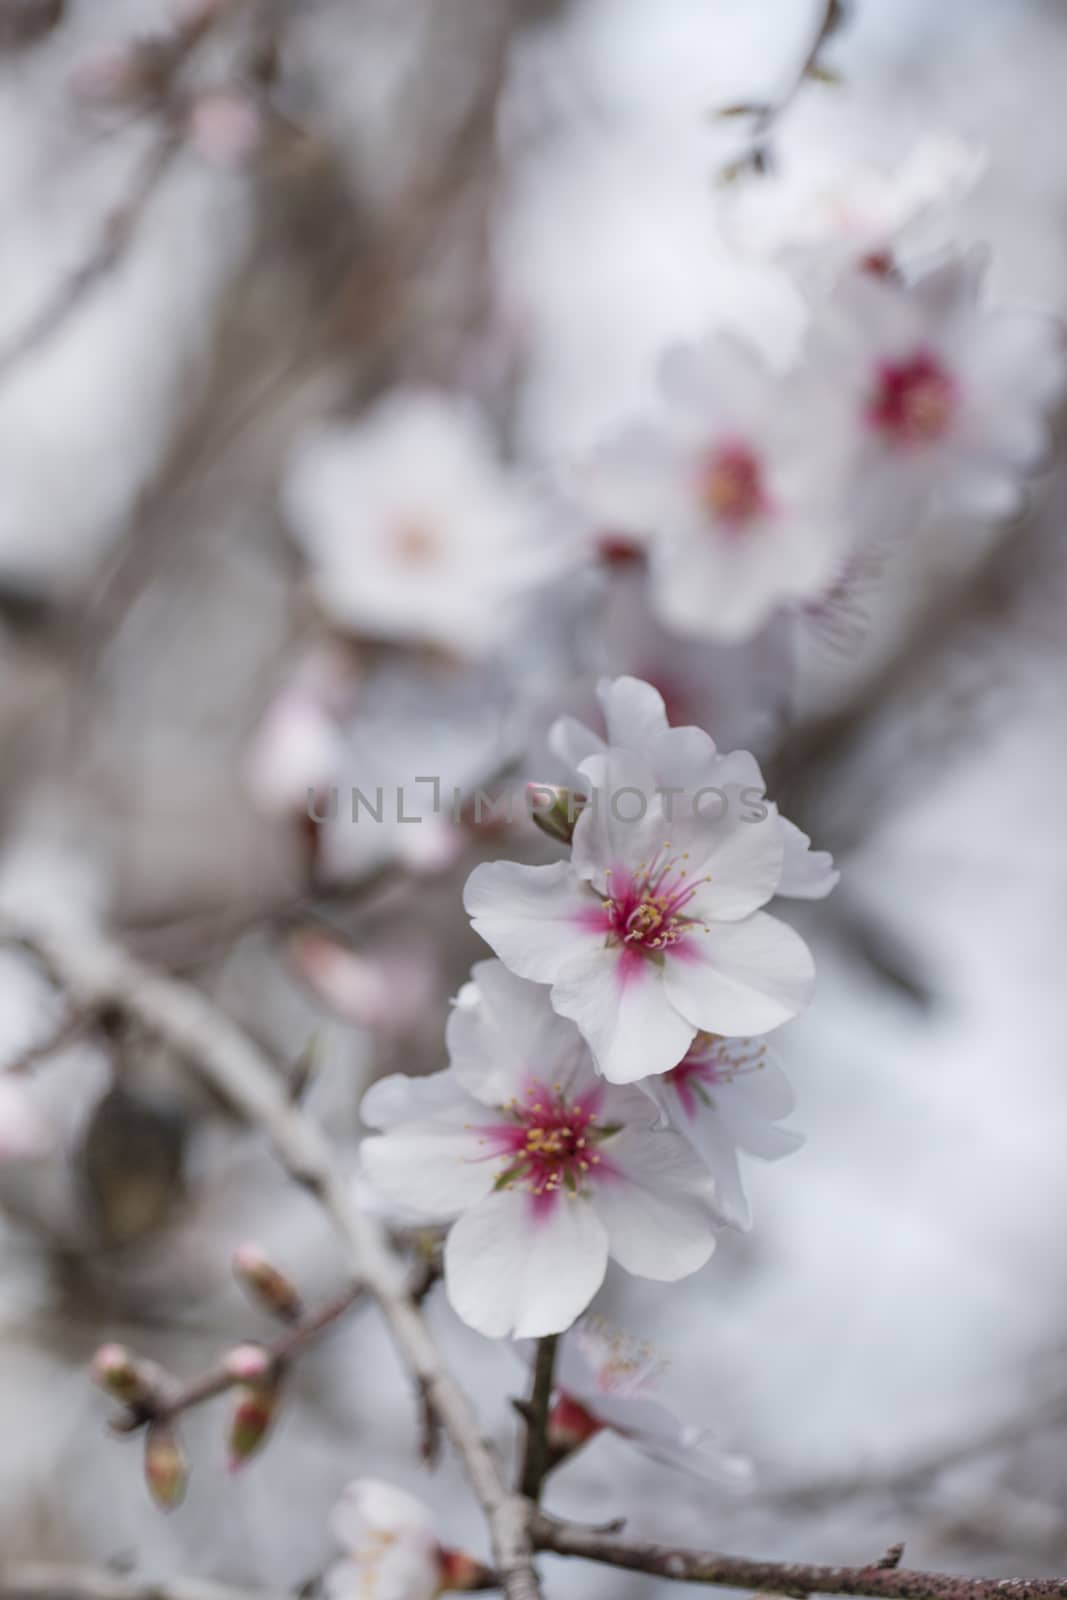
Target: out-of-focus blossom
[
  {"x": 940, "y": 402},
  {"x": 413, "y": 529},
  {"x": 387, "y": 990},
  {"x": 728, "y": 1095},
  {"x": 226, "y": 127},
  {"x": 392, "y": 1549},
  {"x": 636, "y": 720},
  {"x": 852, "y": 214},
  {"x": 24, "y": 1133},
  {"x": 606, "y": 1380},
  {"x": 653, "y": 930},
  {"x": 549, "y": 1170},
  {"x": 732, "y": 488}
]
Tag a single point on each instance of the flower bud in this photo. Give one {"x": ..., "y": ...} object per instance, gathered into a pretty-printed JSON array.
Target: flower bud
[
  {"x": 555, "y": 810},
  {"x": 117, "y": 1372},
  {"x": 249, "y": 1363},
  {"x": 165, "y": 1467},
  {"x": 570, "y": 1426},
  {"x": 267, "y": 1286},
  {"x": 251, "y": 1420},
  {"x": 460, "y": 1571}
]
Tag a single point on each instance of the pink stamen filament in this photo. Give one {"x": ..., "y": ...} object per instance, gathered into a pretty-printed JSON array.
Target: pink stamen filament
[
  {"x": 548, "y": 1142},
  {"x": 648, "y": 911}
]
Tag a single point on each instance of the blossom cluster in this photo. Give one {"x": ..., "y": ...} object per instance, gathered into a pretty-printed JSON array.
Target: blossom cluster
[{"x": 607, "y": 1066}]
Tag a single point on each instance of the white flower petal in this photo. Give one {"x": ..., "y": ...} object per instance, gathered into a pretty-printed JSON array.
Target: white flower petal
[
  {"x": 512, "y": 1269},
  {"x": 741, "y": 978},
  {"x": 807, "y": 874},
  {"x": 435, "y": 1168},
  {"x": 623, "y": 1011},
  {"x": 657, "y": 1210},
  {"x": 503, "y": 1032},
  {"x": 371, "y": 1505},
  {"x": 531, "y": 916},
  {"x": 634, "y": 711},
  {"x": 573, "y": 742}
]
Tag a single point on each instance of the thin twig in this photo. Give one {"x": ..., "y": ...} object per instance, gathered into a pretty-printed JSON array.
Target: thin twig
[
  {"x": 97, "y": 974},
  {"x": 535, "y": 1458},
  {"x": 797, "y": 1579},
  {"x": 165, "y": 1405}
]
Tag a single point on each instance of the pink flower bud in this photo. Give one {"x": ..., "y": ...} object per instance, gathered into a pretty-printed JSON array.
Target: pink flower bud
[
  {"x": 116, "y": 1371},
  {"x": 555, "y": 810},
  {"x": 249, "y": 1363},
  {"x": 459, "y": 1571},
  {"x": 389, "y": 991},
  {"x": 251, "y": 1421},
  {"x": 165, "y": 1467},
  {"x": 268, "y": 1287},
  {"x": 570, "y": 1425}
]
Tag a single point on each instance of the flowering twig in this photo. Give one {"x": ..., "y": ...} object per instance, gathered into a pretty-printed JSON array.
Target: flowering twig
[
  {"x": 165, "y": 1405},
  {"x": 98, "y": 975},
  {"x": 535, "y": 1458},
  {"x": 882, "y": 1578}
]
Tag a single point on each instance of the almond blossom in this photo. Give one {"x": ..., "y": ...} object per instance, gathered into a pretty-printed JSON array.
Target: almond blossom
[
  {"x": 392, "y": 1548},
  {"x": 941, "y": 402},
  {"x": 731, "y": 488},
  {"x": 728, "y": 1095},
  {"x": 605, "y": 1380},
  {"x": 635, "y": 715},
  {"x": 548, "y": 1169},
  {"x": 653, "y": 930},
  {"x": 441, "y": 555}
]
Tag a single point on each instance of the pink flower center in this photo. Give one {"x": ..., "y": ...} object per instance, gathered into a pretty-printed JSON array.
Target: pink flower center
[
  {"x": 548, "y": 1141},
  {"x": 914, "y": 401},
  {"x": 646, "y": 910},
  {"x": 730, "y": 486},
  {"x": 712, "y": 1060}
]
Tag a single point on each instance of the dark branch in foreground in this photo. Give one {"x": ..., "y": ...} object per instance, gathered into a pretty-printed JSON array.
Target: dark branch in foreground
[{"x": 797, "y": 1579}]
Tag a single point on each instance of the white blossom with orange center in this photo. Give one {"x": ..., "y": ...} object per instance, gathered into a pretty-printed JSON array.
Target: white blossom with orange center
[
  {"x": 544, "y": 1169},
  {"x": 730, "y": 489},
  {"x": 413, "y": 528},
  {"x": 654, "y": 929}
]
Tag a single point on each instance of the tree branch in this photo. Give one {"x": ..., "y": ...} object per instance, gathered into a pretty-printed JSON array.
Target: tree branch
[
  {"x": 796, "y": 1579},
  {"x": 98, "y": 976}
]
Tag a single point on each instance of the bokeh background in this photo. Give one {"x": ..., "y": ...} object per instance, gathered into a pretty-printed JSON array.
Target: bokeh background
[{"x": 519, "y": 198}]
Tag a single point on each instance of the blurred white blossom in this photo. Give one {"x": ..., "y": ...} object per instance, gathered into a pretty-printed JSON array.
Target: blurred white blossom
[{"x": 413, "y": 528}]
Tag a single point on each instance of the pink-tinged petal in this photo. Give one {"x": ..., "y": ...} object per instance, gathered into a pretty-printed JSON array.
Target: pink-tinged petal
[
  {"x": 624, "y": 825},
  {"x": 503, "y": 1028},
  {"x": 634, "y": 711},
  {"x": 573, "y": 742},
  {"x": 535, "y": 918},
  {"x": 513, "y": 1269},
  {"x": 741, "y": 978},
  {"x": 434, "y": 1169},
  {"x": 807, "y": 874},
  {"x": 622, "y": 1010},
  {"x": 656, "y": 1205}
]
